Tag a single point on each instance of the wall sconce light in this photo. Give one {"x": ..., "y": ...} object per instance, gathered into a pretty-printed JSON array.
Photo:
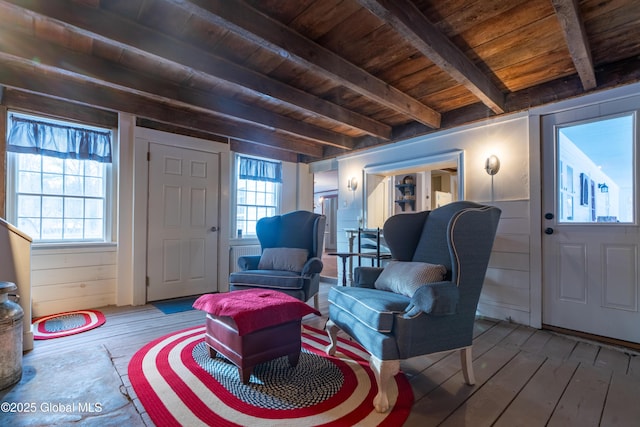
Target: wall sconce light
[
  {"x": 492, "y": 165},
  {"x": 352, "y": 184},
  {"x": 604, "y": 188}
]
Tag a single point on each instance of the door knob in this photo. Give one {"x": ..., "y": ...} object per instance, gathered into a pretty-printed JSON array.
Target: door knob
[
  {"x": 548, "y": 230},
  {"x": 214, "y": 228},
  {"x": 548, "y": 215}
]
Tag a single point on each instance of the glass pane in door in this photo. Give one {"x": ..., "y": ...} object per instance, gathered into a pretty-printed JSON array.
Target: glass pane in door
[{"x": 596, "y": 171}]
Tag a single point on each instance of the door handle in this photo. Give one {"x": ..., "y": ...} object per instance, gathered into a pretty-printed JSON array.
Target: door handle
[
  {"x": 548, "y": 215},
  {"x": 548, "y": 230},
  {"x": 214, "y": 228}
]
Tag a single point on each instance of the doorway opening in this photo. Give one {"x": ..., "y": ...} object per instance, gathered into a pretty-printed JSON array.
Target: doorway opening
[
  {"x": 325, "y": 202},
  {"x": 412, "y": 186}
]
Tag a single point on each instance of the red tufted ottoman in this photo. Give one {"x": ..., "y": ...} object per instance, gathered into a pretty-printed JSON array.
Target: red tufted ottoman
[{"x": 252, "y": 326}]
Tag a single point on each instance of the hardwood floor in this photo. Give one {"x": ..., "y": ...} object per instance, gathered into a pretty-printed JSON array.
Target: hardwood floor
[{"x": 524, "y": 377}]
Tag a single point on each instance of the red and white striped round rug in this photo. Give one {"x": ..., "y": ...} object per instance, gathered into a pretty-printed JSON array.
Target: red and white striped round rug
[
  {"x": 179, "y": 384},
  {"x": 68, "y": 323}
]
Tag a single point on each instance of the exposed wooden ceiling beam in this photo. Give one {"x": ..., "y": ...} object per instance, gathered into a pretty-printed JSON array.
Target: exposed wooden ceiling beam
[
  {"x": 31, "y": 102},
  {"x": 577, "y": 42},
  {"x": 26, "y": 75},
  {"x": 263, "y": 151},
  {"x": 51, "y": 55},
  {"x": 244, "y": 21},
  {"x": 114, "y": 30},
  {"x": 407, "y": 20}
]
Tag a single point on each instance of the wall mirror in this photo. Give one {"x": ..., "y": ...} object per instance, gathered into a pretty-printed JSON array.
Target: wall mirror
[{"x": 411, "y": 185}]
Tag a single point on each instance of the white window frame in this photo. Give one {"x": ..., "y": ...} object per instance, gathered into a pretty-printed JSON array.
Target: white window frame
[
  {"x": 109, "y": 191},
  {"x": 236, "y": 179}
]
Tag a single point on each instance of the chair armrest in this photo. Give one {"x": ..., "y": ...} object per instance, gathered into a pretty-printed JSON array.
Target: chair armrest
[
  {"x": 312, "y": 266},
  {"x": 440, "y": 298},
  {"x": 365, "y": 277},
  {"x": 248, "y": 262}
]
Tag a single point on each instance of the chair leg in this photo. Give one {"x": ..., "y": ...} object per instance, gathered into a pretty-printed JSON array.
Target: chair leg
[
  {"x": 332, "y": 331},
  {"x": 384, "y": 371},
  {"x": 467, "y": 367},
  {"x": 316, "y": 302}
]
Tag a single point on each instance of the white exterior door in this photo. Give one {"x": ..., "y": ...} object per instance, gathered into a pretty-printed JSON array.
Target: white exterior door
[
  {"x": 590, "y": 222},
  {"x": 182, "y": 246}
]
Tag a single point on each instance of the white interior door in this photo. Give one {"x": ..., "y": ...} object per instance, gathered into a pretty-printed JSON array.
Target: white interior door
[
  {"x": 590, "y": 222},
  {"x": 182, "y": 246}
]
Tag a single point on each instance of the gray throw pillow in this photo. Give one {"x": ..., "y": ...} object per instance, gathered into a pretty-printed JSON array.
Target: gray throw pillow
[
  {"x": 406, "y": 277},
  {"x": 289, "y": 259}
]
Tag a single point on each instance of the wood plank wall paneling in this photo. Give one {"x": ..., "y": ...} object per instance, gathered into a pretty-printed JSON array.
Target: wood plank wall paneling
[
  {"x": 507, "y": 287},
  {"x": 73, "y": 279}
]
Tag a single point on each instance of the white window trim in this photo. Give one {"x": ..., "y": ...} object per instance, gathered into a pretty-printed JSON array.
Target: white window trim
[
  {"x": 111, "y": 194},
  {"x": 245, "y": 239}
]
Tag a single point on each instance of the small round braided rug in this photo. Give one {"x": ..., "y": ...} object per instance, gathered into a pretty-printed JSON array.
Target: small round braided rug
[{"x": 64, "y": 324}]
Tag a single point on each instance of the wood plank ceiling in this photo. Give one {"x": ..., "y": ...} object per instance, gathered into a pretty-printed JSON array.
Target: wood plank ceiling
[{"x": 303, "y": 80}]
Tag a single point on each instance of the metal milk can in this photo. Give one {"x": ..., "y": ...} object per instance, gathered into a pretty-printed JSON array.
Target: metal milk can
[{"x": 11, "y": 316}]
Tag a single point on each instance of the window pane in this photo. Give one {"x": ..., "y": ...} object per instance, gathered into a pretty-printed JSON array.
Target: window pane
[
  {"x": 28, "y": 206},
  {"x": 270, "y": 199},
  {"x": 251, "y": 198},
  {"x": 73, "y": 167},
  {"x": 92, "y": 169},
  {"x": 73, "y": 228},
  {"x": 73, "y": 208},
  {"x": 252, "y": 213},
  {"x": 51, "y": 229},
  {"x": 52, "y": 165},
  {"x": 251, "y": 227},
  {"x": 29, "y": 182},
  {"x": 29, "y": 162},
  {"x": 93, "y": 229},
  {"x": 93, "y": 187},
  {"x": 52, "y": 184},
  {"x": 52, "y": 207},
  {"x": 595, "y": 170},
  {"x": 73, "y": 185},
  {"x": 93, "y": 208}
]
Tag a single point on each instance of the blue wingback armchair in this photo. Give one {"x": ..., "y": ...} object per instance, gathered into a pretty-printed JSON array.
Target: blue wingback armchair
[
  {"x": 394, "y": 315},
  {"x": 290, "y": 262}
]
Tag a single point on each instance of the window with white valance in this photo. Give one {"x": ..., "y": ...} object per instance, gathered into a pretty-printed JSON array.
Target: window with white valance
[
  {"x": 258, "y": 183},
  {"x": 59, "y": 184},
  {"x": 55, "y": 139}
]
